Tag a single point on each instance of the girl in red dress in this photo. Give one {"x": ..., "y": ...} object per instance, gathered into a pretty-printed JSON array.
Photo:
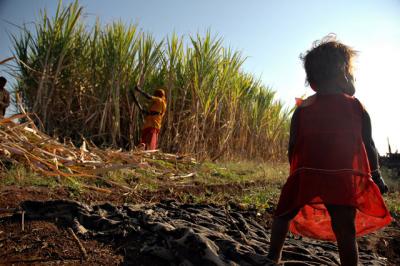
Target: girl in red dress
[{"x": 334, "y": 188}]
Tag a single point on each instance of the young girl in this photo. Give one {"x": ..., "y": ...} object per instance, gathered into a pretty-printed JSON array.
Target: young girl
[{"x": 330, "y": 194}]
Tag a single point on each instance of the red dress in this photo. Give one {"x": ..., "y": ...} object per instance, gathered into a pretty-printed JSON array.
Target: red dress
[{"x": 329, "y": 165}]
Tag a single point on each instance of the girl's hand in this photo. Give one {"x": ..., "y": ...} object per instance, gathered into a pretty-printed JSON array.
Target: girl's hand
[{"x": 376, "y": 176}]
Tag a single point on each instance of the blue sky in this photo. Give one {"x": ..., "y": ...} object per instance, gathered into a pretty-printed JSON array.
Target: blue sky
[{"x": 271, "y": 34}]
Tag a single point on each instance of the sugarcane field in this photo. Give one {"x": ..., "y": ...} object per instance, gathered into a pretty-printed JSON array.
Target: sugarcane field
[{"x": 146, "y": 134}]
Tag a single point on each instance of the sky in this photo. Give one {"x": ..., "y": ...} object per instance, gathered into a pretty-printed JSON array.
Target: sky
[{"x": 271, "y": 34}]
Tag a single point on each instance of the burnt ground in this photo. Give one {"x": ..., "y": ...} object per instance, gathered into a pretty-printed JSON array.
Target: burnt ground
[{"x": 167, "y": 232}]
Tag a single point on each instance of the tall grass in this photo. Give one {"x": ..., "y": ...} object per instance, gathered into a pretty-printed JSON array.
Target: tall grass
[{"x": 76, "y": 79}]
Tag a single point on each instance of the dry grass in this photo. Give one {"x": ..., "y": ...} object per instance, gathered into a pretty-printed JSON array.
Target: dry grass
[{"x": 393, "y": 197}]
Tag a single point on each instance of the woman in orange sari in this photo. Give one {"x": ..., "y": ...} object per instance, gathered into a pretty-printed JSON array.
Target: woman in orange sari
[{"x": 153, "y": 118}]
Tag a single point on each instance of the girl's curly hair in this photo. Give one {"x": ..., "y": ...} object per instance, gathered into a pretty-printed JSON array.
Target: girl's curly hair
[{"x": 326, "y": 60}]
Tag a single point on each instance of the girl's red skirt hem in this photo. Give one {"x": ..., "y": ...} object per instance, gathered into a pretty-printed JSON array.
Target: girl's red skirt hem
[{"x": 309, "y": 192}]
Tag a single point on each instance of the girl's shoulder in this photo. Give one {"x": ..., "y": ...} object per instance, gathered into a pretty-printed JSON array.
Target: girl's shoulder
[
  {"x": 357, "y": 105},
  {"x": 301, "y": 103},
  {"x": 336, "y": 98}
]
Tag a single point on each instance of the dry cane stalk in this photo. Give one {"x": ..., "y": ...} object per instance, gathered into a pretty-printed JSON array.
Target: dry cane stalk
[
  {"x": 81, "y": 247},
  {"x": 23, "y": 221}
]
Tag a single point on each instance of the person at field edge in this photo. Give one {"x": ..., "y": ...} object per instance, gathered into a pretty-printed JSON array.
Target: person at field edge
[
  {"x": 4, "y": 97},
  {"x": 334, "y": 188},
  {"x": 153, "y": 118}
]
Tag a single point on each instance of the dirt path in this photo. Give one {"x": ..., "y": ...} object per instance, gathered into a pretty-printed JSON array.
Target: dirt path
[{"x": 158, "y": 233}]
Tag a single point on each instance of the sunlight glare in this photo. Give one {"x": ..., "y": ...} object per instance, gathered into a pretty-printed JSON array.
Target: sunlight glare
[{"x": 377, "y": 83}]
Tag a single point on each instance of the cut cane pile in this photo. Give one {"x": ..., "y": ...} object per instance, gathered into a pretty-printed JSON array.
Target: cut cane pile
[{"x": 24, "y": 144}]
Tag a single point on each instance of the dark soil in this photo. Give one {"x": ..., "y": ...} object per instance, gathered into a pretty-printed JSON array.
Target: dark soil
[
  {"x": 45, "y": 243},
  {"x": 150, "y": 231}
]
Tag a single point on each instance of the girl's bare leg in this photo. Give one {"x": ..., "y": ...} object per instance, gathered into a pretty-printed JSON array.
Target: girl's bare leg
[
  {"x": 343, "y": 225},
  {"x": 280, "y": 227}
]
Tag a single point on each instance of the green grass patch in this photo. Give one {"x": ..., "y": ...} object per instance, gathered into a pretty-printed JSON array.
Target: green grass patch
[
  {"x": 392, "y": 199},
  {"x": 122, "y": 176},
  {"x": 261, "y": 198},
  {"x": 393, "y": 202},
  {"x": 218, "y": 183},
  {"x": 238, "y": 172},
  {"x": 162, "y": 164},
  {"x": 141, "y": 178},
  {"x": 20, "y": 176},
  {"x": 74, "y": 186}
]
